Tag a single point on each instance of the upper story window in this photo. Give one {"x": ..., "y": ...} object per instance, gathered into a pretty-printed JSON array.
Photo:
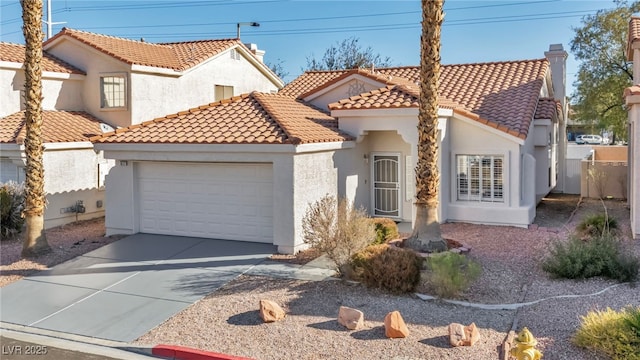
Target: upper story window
[
  {"x": 223, "y": 92},
  {"x": 479, "y": 178},
  {"x": 113, "y": 91}
]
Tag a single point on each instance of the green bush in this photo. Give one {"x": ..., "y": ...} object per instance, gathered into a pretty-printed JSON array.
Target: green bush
[
  {"x": 11, "y": 206},
  {"x": 338, "y": 229},
  {"x": 387, "y": 267},
  {"x": 449, "y": 273},
  {"x": 386, "y": 230},
  {"x": 596, "y": 225},
  {"x": 598, "y": 256},
  {"x": 611, "y": 332}
]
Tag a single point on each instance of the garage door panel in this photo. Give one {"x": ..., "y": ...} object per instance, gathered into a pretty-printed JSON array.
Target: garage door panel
[{"x": 226, "y": 201}]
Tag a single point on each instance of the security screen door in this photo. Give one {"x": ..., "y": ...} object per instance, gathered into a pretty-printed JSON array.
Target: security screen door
[{"x": 386, "y": 185}]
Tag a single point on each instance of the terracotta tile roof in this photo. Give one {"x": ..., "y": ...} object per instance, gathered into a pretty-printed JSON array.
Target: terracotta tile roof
[
  {"x": 255, "y": 118},
  {"x": 15, "y": 53},
  {"x": 57, "y": 126},
  {"x": 548, "y": 108},
  {"x": 177, "y": 56},
  {"x": 504, "y": 93},
  {"x": 310, "y": 80},
  {"x": 633, "y": 36},
  {"x": 391, "y": 96}
]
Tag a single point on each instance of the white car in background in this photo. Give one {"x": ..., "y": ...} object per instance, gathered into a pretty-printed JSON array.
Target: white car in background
[{"x": 589, "y": 139}]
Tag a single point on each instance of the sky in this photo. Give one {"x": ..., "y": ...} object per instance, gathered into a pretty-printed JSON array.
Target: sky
[{"x": 292, "y": 31}]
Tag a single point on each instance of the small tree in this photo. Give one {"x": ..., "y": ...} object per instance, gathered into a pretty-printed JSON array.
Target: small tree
[
  {"x": 347, "y": 54},
  {"x": 600, "y": 45},
  {"x": 338, "y": 229},
  {"x": 278, "y": 68}
]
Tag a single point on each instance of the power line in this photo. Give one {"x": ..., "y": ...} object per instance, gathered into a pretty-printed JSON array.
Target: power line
[
  {"x": 216, "y": 3},
  {"x": 377, "y": 27}
]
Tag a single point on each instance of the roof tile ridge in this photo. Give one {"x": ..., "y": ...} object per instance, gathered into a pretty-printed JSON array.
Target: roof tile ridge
[
  {"x": 197, "y": 41},
  {"x": 497, "y": 62},
  {"x": 70, "y": 31},
  {"x": 273, "y": 112}
]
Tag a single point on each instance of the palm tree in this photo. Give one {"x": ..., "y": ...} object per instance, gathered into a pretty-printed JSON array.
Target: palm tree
[
  {"x": 35, "y": 242},
  {"x": 426, "y": 232}
]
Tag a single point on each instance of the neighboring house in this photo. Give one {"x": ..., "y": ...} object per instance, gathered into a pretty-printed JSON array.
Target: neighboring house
[
  {"x": 632, "y": 97},
  {"x": 247, "y": 168},
  {"x": 73, "y": 172},
  {"x": 94, "y": 81},
  {"x": 130, "y": 81}
]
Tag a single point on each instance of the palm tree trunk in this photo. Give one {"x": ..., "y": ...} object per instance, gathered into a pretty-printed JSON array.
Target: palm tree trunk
[
  {"x": 35, "y": 242},
  {"x": 426, "y": 234}
]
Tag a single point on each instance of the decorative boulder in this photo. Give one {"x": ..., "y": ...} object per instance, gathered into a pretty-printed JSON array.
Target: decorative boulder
[
  {"x": 394, "y": 326},
  {"x": 460, "y": 335},
  {"x": 271, "y": 311},
  {"x": 352, "y": 319}
]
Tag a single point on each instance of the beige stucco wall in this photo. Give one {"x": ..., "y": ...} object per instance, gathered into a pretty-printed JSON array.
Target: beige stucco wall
[
  {"x": 59, "y": 91},
  {"x": 603, "y": 179},
  {"x": 196, "y": 87},
  {"x": 71, "y": 175},
  {"x": 611, "y": 153},
  {"x": 518, "y": 208},
  {"x": 315, "y": 177}
]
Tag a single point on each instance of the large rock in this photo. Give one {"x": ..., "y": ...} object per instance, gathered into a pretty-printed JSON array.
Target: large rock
[
  {"x": 394, "y": 326},
  {"x": 460, "y": 335},
  {"x": 271, "y": 311},
  {"x": 352, "y": 319}
]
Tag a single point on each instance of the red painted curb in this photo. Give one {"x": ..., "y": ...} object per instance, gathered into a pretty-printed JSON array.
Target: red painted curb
[{"x": 185, "y": 353}]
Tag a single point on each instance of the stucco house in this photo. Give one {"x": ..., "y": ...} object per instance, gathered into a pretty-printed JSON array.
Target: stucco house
[
  {"x": 94, "y": 83},
  {"x": 632, "y": 99},
  {"x": 247, "y": 168}
]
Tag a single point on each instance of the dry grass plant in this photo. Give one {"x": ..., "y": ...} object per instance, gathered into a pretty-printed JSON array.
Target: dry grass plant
[{"x": 337, "y": 228}]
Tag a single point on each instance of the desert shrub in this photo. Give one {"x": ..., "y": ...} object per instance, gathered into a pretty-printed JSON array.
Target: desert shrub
[
  {"x": 611, "y": 332},
  {"x": 11, "y": 206},
  {"x": 450, "y": 274},
  {"x": 387, "y": 267},
  {"x": 386, "y": 230},
  {"x": 597, "y": 224},
  {"x": 598, "y": 256},
  {"x": 338, "y": 229}
]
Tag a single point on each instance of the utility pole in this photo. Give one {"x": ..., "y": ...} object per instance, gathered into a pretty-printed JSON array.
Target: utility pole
[{"x": 49, "y": 21}]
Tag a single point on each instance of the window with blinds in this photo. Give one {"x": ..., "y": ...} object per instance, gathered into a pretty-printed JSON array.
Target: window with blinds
[{"x": 479, "y": 178}]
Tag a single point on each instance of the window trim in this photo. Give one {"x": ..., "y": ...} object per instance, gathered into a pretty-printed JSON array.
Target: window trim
[
  {"x": 505, "y": 184},
  {"x": 102, "y": 101}
]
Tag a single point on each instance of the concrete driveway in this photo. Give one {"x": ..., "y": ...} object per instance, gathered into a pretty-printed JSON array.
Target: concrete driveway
[{"x": 122, "y": 290}]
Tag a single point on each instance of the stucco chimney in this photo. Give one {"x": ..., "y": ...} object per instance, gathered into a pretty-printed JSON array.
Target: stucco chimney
[
  {"x": 558, "y": 60},
  {"x": 257, "y": 52}
]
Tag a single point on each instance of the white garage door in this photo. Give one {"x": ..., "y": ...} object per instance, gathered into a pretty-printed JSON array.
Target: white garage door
[{"x": 221, "y": 201}]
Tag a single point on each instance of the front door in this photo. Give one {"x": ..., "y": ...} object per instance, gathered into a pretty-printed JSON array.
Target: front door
[{"x": 386, "y": 185}]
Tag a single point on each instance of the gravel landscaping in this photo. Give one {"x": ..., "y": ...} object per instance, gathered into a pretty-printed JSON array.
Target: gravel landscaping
[{"x": 227, "y": 320}]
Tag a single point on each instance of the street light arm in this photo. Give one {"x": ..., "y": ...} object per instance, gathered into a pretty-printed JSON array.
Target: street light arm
[{"x": 250, "y": 23}]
